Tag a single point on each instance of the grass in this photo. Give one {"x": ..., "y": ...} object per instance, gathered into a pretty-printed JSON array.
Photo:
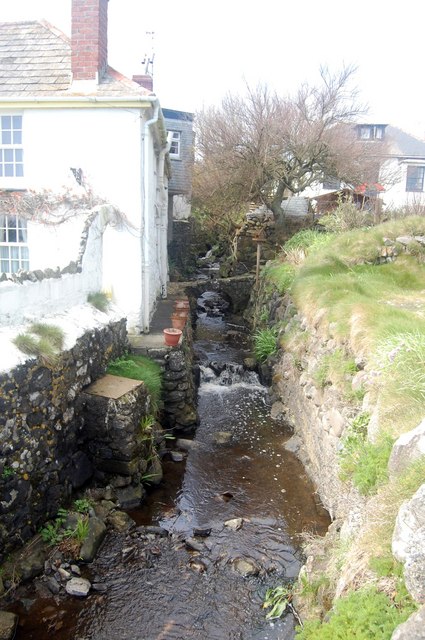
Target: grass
[
  {"x": 265, "y": 344},
  {"x": 361, "y": 615},
  {"x": 41, "y": 340},
  {"x": 377, "y": 309},
  {"x": 139, "y": 368},
  {"x": 337, "y": 368},
  {"x": 99, "y": 300}
]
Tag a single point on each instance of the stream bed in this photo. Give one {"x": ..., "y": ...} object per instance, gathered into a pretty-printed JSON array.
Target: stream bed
[{"x": 230, "y": 519}]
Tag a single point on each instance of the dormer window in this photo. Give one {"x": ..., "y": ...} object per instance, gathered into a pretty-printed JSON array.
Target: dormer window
[{"x": 371, "y": 131}]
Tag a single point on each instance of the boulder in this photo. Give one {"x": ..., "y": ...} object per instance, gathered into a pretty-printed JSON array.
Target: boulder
[
  {"x": 95, "y": 536},
  {"x": 130, "y": 497},
  {"x": 8, "y": 624},
  {"x": 413, "y": 628},
  {"x": 78, "y": 587},
  {"x": 408, "y": 543},
  {"x": 408, "y": 448},
  {"x": 120, "y": 521},
  {"x": 245, "y": 567}
]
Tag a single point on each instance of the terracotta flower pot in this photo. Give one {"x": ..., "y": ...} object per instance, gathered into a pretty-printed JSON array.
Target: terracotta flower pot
[
  {"x": 179, "y": 305},
  {"x": 172, "y": 336},
  {"x": 178, "y": 320}
]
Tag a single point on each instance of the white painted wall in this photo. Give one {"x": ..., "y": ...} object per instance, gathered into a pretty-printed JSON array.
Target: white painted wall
[
  {"x": 109, "y": 145},
  {"x": 395, "y": 195}
]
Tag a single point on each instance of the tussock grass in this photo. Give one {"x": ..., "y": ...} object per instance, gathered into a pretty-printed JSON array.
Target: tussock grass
[
  {"x": 41, "y": 340},
  {"x": 99, "y": 300},
  {"x": 139, "y": 368}
]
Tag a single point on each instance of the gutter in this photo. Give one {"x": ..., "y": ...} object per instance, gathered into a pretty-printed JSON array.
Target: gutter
[{"x": 77, "y": 101}]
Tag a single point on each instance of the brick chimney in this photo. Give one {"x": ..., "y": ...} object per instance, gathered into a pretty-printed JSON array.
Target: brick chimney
[{"x": 89, "y": 39}]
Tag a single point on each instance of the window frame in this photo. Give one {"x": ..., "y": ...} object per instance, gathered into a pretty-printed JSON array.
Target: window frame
[
  {"x": 416, "y": 180},
  {"x": 176, "y": 139},
  {"x": 11, "y": 148},
  {"x": 13, "y": 237}
]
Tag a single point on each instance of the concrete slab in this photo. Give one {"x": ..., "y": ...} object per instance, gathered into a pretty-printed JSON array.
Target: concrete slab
[{"x": 112, "y": 386}]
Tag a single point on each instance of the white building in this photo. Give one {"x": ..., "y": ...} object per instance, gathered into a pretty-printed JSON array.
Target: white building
[{"x": 72, "y": 125}]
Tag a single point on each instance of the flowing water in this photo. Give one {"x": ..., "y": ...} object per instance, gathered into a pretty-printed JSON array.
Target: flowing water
[{"x": 234, "y": 522}]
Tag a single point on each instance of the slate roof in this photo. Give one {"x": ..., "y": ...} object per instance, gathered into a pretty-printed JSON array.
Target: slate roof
[
  {"x": 403, "y": 144},
  {"x": 35, "y": 60}
]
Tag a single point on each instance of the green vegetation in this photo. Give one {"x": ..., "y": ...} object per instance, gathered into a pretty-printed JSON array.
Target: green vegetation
[
  {"x": 265, "y": 344},
  {"x": 99, "y": 300},
  {"x": 346, "y": 216},
  {"x": 361, "y": 615},
  {"x": 371, "y": 308},
  {"x": 7, "y": 472},
  {"x": 82, "y": 505},
  {"x": 337, "y": 368},
  {"x": 278, "y": 600},
  {"x": 139, "y": 368},
  {"x": 280, "y": 275},
  {"x": 44, "y": 340},
  {"x": 54, "y": 532}
]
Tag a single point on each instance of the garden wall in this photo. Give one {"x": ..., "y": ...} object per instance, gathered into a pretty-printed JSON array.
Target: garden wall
[{"x": 42, "y": 444}]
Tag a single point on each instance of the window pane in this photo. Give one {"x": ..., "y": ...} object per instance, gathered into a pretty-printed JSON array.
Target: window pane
[
  {"x": 4, "y": 266},
  {"x": 2, "y": 220},
  {"x": 19, "y": 171},
  {"x": 4, "y": 253},
  {"x": 25, "y": 253},
  {"x": 17, "y": 137},
  {"x": 6, "y": 122},
  {"x": 12, "y": 235},
  {"x": 15, "y": 266},
  {"x": 17, "y": 122},
  {"x": 6, "y": 137},
  {"x": 14, "y": 253},
  {"x": 18, "y": 155},
  {"x": 8, "y": 170},
  {"x": 8, "y": 155},
  {"x": 12, "y": 222},
  {"x": 22, "y": 234}
]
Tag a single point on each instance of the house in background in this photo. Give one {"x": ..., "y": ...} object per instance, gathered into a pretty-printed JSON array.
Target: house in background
[
  {"x": 72, "y": 125},
  {"x": 180, "y": 125},
  {"x": 401, "y": 179}
]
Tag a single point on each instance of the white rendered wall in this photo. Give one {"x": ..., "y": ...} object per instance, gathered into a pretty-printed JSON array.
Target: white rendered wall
[{"x": 108, "y": 146}]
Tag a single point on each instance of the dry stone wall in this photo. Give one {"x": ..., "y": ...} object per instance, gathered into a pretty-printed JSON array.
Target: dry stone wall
[{"x": 42, "y": 442}]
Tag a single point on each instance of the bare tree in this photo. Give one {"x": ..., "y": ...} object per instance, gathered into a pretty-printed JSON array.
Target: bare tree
[{"x": 261, "y": 147}]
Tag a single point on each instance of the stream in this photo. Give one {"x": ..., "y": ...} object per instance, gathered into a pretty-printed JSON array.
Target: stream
[{"x": 234, "y": 509}]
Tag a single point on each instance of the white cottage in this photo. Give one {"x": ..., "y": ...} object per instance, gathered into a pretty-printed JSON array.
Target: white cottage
[{"x": 71, "y": 126}]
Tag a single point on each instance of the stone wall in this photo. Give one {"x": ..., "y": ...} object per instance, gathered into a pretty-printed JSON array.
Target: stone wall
[
  {"x": 42, "y": 444},
  {"x": 179, "y": 381}
]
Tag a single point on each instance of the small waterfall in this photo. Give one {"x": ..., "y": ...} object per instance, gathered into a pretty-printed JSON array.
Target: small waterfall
[{"x": 226, "y": 374}]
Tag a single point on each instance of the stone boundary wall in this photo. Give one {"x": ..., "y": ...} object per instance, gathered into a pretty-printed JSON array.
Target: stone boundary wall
[{"x": 42, "y": 457}]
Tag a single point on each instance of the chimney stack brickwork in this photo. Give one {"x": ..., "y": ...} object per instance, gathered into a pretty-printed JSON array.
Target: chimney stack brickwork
[{"x": 89, "y": 39}]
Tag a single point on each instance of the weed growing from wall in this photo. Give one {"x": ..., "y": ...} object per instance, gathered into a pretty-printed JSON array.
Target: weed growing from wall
[{"x": 41, "y": 340}]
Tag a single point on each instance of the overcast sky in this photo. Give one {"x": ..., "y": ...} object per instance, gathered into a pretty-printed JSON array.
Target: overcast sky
[{"x": 204, "y": 49}]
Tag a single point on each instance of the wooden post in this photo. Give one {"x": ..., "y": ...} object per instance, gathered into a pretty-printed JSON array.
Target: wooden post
[{"x": 257, "y": 270}]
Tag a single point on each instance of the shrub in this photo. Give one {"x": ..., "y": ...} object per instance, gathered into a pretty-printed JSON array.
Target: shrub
[
  {"x": 346, "y": 216},
  {"x": 362, "y": 615}
]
